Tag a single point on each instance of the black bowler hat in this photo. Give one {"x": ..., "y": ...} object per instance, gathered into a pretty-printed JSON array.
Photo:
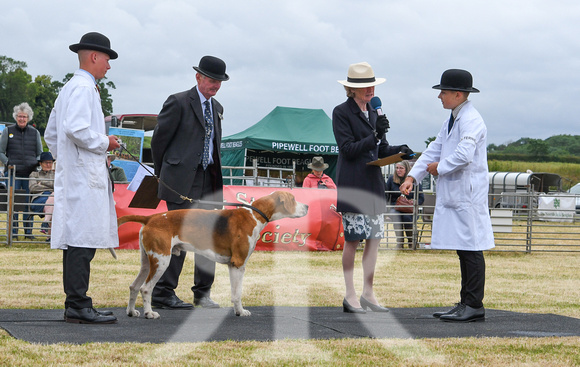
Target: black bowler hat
[
  {"x": 457, "y": 79},
  {"x": 94, "y": 41},
  {"x": 212, "y": 67}
]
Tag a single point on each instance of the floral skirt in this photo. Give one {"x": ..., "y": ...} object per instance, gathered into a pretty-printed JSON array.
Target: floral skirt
[{"x": 361, "y": 227}]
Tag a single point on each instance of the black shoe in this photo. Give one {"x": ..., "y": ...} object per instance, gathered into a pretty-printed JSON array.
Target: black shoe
[
  {"x": 465, "y": 314},
  {"x": 375, "y": 308},
  {"x": 170, "y": 303},
  {"x": 449, "y": 312},
  {"x": 87, "y": 316},
  {"x": 346, "y": 307},
  {"x": 105, "y": 312},
  {"x": 205, "y": 302},
  {"x": 100, "y": 312}
]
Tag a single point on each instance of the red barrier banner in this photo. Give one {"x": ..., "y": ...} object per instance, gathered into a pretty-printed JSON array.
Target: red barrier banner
[
  {"x": 320, "y": 230},
  {"x": 129, "y": 232}
]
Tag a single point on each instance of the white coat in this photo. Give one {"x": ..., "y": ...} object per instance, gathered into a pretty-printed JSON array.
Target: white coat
[
  {"x": 84, "y": 209},
  {"x": 461, "y": 220}
]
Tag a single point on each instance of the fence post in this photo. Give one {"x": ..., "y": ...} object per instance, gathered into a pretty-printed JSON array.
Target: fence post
[
  {"x": 255, "y": 170},
  {"x": 415, "y": 215},
  {"x": 293, "y": 180},
  {"x": 529, "y": 220},
  {"x": 10, "y": 204}
]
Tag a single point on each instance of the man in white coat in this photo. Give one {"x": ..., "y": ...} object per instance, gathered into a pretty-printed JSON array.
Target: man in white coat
[
  {"x": 84, "y": 217},
  {"x": 461, "y": 222}
]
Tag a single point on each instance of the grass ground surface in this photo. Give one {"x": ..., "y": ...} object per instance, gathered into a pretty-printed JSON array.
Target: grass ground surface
[{"x": 31, "y": 277}]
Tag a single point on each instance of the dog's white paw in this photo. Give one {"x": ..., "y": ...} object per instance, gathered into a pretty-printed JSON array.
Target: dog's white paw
[
  {"x": 243, "y": 313},
  {"x": 152, "y": 315},
  {"x": 133, "y": 313}
]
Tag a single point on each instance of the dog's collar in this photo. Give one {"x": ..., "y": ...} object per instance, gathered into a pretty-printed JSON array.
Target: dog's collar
[{"x": 250, "y": 207}]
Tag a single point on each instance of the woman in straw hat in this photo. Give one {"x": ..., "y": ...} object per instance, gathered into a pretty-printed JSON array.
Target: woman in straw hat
[{"x": 360, "y": 134}]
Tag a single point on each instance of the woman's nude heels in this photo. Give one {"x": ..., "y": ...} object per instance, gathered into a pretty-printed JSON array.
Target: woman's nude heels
[
  {"x": 367, "y": 305},
  {"x": 346, "y": 307}
]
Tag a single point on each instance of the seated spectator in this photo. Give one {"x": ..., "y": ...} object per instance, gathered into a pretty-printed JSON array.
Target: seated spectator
[
  {"x": 117, "y": 173},
  {"x": 42, "y": 188},
  {"x": 317, "y": 179},
  {"x": 401, "y": 221}
]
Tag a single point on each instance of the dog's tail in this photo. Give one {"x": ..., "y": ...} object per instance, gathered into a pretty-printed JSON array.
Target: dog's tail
[
  {"x": 129, "y": 218},
  {"x": 143, "y": 219}
]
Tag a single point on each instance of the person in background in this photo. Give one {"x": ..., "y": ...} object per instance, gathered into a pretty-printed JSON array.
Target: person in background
[
  {"x": 317, "y": 179},
  {"x": 360, "y": 134},
  {"x": 117, "y": 173},
  {"x": 461, "y": 222},
  {"x": 42, "y": 188},
  {"x": 20, "y": 147},
  {"x": 84, "y": 217},
  {"x": 402, "y": 222},
  {"x": 186, "y": 153}
]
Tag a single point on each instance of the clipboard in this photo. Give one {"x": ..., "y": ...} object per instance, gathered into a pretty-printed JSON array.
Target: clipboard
[
  {"x": 146, "y": 195},
  {"x": 387, "y": 160}
]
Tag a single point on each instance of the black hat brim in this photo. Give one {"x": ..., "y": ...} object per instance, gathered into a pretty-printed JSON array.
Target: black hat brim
[
  {"x": 445, "y": 87},
  {"x": 87, "y": 46},
  {"x": 221, "y": 78}
]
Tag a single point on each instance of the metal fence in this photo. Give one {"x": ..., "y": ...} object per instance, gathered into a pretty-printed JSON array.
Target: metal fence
[
  {"x": 15, "y": 203},
  {"x": 518, "y": 222},
  {"x": 17, "y": 216},
  {"x": 524, "y": 227},
  {"x": 260, "y": 176}
]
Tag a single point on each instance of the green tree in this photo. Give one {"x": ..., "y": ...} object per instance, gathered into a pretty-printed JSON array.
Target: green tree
[
  {"x": 429, "y": 140},
  {"x": 14, "y": 81},
  {"x": 569, "y": 143},
  {"x": 106, "y": 98},
  {"x": 45, "y": 91},
  {"x": 537, "y": 148}
]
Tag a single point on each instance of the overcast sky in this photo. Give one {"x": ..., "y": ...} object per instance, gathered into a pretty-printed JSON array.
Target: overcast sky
[{"x": 524, "y": 55}]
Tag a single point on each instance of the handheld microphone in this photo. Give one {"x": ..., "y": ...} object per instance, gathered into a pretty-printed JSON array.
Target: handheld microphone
[{"x": 377, "y": 105}]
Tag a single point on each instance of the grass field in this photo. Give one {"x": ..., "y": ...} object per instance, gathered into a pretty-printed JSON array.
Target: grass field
[{"x": 537, "y": 283}]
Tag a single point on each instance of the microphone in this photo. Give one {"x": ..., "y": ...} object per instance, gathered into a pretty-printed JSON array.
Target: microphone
[{"x": 377, "y": 105}]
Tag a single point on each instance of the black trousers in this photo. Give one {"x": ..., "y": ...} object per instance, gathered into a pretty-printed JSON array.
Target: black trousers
[
  {"x": 204, "y": 272},
  {"x": 76, "y": 271},
  {"x": 472, "y": 266}
]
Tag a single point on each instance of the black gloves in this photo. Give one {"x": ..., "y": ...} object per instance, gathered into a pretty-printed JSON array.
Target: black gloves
[
  {"x": 382, "y": 126},
  {"x": 408, "y": 152}
]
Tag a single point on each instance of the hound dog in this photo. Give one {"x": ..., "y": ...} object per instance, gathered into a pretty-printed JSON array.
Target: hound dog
[{"x": 225, "y": 236}]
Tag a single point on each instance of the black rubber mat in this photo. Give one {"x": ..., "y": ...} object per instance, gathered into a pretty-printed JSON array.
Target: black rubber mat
[{"x": 276, "y": 323}]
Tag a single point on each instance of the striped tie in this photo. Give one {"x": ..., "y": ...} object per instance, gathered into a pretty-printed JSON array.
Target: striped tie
[{"x": 208, "y": 130}]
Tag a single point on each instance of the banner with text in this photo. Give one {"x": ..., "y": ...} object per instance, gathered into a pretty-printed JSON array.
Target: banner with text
[
  {"x": 320, "y": 230},
  {"x": 557, "y": 208}
]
